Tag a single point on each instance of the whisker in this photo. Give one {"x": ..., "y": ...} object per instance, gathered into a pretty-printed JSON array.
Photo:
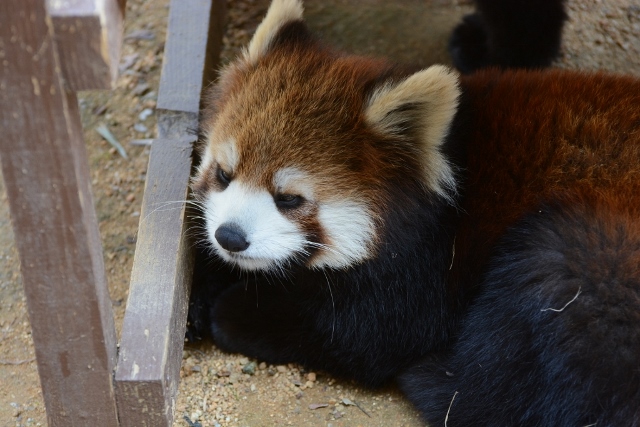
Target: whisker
[
  {"x": 162, "y": 205},
  {"x": 325, "y": 247},
  {"x": 333, "y": 304}
]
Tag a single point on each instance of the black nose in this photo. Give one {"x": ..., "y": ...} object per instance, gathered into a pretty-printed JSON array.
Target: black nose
[{"x": 231, "y": 237}]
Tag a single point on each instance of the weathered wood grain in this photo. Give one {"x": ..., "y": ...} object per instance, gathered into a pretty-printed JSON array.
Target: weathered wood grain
[
  {"x": 153, "y": 332},
  {"x": 154, "y": 324},
  {"x": 196, "y": 40},
  {"x": 45, "y": 168},
  {"x": 88, "y": 35}
]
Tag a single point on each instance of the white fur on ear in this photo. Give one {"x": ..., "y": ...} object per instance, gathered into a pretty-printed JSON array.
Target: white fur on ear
[
  {"x": 425, "y": 101},
  {"x": 280, "y": 13}
]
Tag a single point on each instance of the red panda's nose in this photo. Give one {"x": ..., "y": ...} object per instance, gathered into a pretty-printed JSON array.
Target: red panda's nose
[{"x": 231, "y": 237}]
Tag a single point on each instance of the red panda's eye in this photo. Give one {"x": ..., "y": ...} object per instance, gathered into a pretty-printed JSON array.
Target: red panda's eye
[
  {"x": 223, "y": 177},
  {"x": 288, "y": 201}
]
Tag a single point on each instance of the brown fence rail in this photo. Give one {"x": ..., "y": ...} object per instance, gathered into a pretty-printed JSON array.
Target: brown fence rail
[{"x": 49, "y": 51}]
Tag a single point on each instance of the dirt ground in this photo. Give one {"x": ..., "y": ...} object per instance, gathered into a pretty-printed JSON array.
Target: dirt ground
[{"x": 230, "y": 390}]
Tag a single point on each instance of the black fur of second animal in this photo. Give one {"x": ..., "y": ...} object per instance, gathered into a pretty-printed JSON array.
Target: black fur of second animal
[
  {"x": 508, "y": 34},
  {"x": 552, "y": 336}
]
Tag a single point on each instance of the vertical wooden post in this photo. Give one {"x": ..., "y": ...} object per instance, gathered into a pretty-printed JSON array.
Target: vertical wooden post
[
  {"x": 88, "y": 39},
  {"x": 45, "y": 168},
  {"x": 88, "y": 35},
  {"x": 154, "y": 324}
]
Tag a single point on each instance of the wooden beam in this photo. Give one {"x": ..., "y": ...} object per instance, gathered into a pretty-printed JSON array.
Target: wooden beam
[
  {"x": 148, "y": 368},
  {"x": 89, "y": 39},
  {"x": 153, "y": 330},
  {"x": 196, "y": 40},
  {"x": 45, "y": 168}
]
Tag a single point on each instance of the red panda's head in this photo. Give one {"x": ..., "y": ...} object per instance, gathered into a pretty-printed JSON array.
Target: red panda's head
[{"x": 303, "y": 147}]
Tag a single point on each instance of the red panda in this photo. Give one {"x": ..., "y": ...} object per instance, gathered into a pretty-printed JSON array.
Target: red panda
[{"x": 476, "y": 238}]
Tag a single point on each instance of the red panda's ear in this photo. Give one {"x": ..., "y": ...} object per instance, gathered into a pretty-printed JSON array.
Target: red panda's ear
[
  {"x": 420, "y": 108},
  {"x": 280, "y": 13}
]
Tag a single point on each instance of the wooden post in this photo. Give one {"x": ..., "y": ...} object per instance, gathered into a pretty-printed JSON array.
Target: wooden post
[
  {"x": 46, "y": 174},
  {"x": 153, "y": 331},
  {"x": 88, "y": 39}
]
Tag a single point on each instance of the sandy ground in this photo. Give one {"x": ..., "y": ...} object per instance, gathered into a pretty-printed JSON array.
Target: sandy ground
[{"x": 230, "y": 390}]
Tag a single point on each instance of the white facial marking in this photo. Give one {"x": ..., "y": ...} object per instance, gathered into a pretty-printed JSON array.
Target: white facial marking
[
  {"x": 293, "y": 181},
  {"x": 273, "y": 239},
  {"x": 225, "y": 153},
  {"x": 350, "y": 232}
]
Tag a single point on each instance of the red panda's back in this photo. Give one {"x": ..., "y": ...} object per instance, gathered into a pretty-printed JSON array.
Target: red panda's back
[{"x": 546, "y": 137}]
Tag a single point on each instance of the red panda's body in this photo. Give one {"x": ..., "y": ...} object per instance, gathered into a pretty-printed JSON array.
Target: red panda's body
[
  {"x": 477, "y": 237},
  {"x": 549, "y": 237},
  {"x": 545, "y": 136},
  {"x": 292, "y": 123}
]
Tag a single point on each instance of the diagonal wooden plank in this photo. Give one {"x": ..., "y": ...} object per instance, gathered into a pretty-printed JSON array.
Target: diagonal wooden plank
[
  {"x": 45, "y": 168},
  {"x": 196, "y": 40},
  {"x": 153, "y": 331}
]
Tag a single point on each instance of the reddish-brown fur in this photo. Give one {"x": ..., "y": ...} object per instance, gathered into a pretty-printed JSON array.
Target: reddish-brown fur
[
  {"x": 332, "y": 106},
  {"x": 578, "y": 149},
  {"x": 548, "y": 250},
  {"x": 319, "y": 103},
  {"x": 578, "y": 143}
]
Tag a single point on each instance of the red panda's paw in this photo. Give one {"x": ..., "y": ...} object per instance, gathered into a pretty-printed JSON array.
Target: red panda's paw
[{"x": 257, "y": 322}]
